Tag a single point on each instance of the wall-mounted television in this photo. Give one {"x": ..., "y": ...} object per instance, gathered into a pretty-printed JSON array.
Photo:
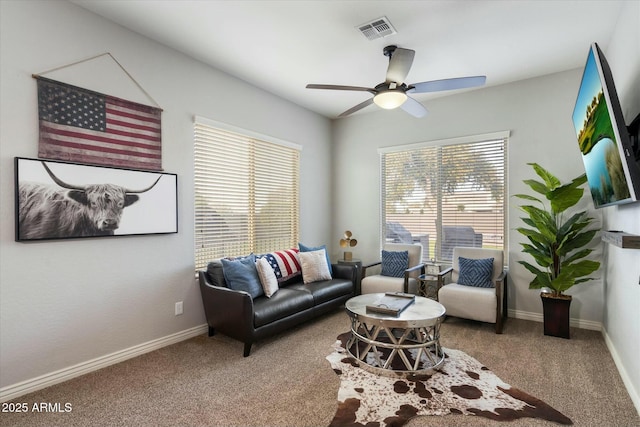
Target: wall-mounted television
[{"x": 613, "y": 174}]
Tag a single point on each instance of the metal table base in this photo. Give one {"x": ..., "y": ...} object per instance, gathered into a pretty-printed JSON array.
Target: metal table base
[{"x": 389, "y": 345}]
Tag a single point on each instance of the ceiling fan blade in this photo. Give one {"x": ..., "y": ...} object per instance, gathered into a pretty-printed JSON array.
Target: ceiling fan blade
[
  {"x": 414, "y": 108},
  {"x": 447, "y": 84},
  {"x": 357, "y": 107},
  {"x": 399, "y": 65},
  {"x": 339, "y": 87}
]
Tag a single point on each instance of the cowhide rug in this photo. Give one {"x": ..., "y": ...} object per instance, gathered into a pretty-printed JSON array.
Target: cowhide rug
[{"x": 461, "y": 386}]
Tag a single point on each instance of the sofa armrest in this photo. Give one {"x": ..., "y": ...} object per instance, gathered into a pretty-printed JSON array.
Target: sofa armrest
[
  {"x": 345, "y": 271},
  {"x": 227, "y": 309}
]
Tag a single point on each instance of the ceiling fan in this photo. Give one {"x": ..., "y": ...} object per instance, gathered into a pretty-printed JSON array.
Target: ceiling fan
[{"x": 393, "y": 92}]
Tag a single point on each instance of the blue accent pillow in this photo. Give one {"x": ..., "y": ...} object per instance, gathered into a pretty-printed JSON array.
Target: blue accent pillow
[
  {"x": 476, "y": 272},
  {"x": 305, "y": 248},
  {"x": 241, "y": 275},
  {"x": 394, "y": 263}
]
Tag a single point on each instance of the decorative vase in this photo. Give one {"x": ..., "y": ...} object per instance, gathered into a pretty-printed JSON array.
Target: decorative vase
[
  {"x": 348, "y": 256},
  {"x": 556, "y": 314}
]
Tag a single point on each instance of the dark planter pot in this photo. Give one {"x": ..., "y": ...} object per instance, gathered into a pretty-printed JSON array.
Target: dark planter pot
[{"x": 556, "y": 314}]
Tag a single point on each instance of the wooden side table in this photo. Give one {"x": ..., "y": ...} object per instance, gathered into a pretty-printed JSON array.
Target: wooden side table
[{"x": 358, "y": 264}]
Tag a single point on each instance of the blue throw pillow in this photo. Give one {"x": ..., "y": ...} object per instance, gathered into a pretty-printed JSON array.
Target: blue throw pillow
[
  {"x": 476, "y": 272},
  {"x": 305, "y": 248},
  {"x": 394, "y": 263},
  {"x": 241, "y": 275}
]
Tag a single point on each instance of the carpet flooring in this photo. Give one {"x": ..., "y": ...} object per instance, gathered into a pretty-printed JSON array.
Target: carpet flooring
[{"x": 287, "y": 381}]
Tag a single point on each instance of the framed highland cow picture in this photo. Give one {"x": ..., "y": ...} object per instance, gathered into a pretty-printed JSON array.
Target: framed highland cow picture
[{"x": 62, "y": 200}]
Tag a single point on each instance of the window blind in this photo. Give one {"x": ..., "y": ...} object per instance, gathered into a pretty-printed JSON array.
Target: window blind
[
  {"x": 246, "y": 194},
  {"x": 445, "y": 195}
]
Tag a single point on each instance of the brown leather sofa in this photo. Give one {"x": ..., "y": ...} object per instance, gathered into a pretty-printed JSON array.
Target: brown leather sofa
[{"x": 237, "y": 315}]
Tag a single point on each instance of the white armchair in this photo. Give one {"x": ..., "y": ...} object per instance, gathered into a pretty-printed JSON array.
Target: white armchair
[
  {"x": 375, "y": 282},
  {"x": 485, "y": 304}
]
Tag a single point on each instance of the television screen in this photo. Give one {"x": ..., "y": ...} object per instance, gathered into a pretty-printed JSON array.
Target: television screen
[{"x": 612, "y": 172}]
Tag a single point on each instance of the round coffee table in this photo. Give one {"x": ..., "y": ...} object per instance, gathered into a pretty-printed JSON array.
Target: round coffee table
[{"x": 391, "y": 345}]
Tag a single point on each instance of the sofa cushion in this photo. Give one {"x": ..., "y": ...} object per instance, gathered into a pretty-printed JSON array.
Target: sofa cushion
[
  {"x": 283, "y": 303},
  {"x": 326, "y": 290},
  {"x": 305, "y": 248},
  {"x": 214, "y": 273},
  {"x": 314, "y": 266},
  {"x": 241, "y": 275},
  {"x": 394, "y": 263},
  {"x": 267, "y": 277},
  {"x": 285, "y": 264},
  {"x": 475, "y": 272}
]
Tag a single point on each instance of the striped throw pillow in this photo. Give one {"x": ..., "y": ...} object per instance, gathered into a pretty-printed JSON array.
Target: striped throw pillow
[{"x": 285, "y": 264}]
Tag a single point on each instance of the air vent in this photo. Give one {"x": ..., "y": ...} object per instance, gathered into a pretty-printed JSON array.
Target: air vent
[{"x": 377, "y": 28}]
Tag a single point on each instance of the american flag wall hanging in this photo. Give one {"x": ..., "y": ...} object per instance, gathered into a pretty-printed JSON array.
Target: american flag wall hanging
[{"x": 83, "y": 126}]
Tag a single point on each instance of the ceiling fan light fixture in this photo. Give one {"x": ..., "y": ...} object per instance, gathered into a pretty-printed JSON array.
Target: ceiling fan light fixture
[{"x": 389, "y": 99}]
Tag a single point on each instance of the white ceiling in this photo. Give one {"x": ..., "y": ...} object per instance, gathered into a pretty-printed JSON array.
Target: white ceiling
[{"x": 280, "y": 46}]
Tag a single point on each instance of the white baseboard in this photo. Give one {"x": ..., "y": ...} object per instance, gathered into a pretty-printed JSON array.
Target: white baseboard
[
  {"x": 537, "y": 317},
  {"x": 16, "y": 390},
  {"x": 633, "y": 393}
]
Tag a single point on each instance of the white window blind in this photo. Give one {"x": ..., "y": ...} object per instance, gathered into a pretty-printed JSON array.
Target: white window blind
[
  {"x": 246, "y": 194},
  {"x": 446, "y": 194}
]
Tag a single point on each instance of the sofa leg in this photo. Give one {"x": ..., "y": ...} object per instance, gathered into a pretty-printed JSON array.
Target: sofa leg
[
  {"x": 247, "y": 349},
  {"x": 212, "y": 331}
]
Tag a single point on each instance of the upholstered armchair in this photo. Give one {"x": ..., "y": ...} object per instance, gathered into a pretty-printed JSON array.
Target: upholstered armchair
[
  {"x": 478, "y": 286},
  {"x": 397, "y": 270}
]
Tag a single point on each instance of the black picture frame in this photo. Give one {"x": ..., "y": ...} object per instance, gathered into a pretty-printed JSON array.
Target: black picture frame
[{"x": 64, "y": 200}]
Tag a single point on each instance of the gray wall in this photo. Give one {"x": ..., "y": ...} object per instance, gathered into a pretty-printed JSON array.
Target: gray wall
[
  {"x": 622, "y": 266},
  {"x": 64, "y": 303},
  {"x": 537, "y": 112}
]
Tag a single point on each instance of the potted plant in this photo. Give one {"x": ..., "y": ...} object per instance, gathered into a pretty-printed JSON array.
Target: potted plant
[{"x": 557, "y": 241}]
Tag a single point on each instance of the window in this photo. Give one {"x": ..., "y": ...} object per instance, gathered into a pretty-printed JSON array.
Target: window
[
  {"x": 246, "y": 192},
  {"x": 445, "y": 194}
]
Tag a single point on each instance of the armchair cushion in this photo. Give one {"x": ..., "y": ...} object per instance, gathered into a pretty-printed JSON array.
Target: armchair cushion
[
  {"x": 241, "y": 275},
  {"x": 476, "y": 272},
  {"x": 394, "y": 263}
]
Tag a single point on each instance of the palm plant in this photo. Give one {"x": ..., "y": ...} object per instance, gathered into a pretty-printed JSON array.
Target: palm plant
[{"x": 556, "y": 243}]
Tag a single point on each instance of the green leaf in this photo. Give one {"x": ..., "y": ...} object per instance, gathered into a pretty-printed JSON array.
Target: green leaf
[
  {"x": 535, "y": 236},
  {"x": 567, "y": 226},
  {"x": 578, "y": 181},
  {"x": 550, "y": 179},
  {"x": 562, "y": 198},
  {"x": 528, "y": 221},
  {"x": 577, "y": 241},
  {"x": 562, "y": 282},
  {"x": 542, "y": 257},
  {"x": 542, "y": 279},
  {"x": 527, "y": 197},
  {"x": 576, "y": 256},
  {"x": 581, "y": 268},
  {"x": 536, "y": 186}
]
